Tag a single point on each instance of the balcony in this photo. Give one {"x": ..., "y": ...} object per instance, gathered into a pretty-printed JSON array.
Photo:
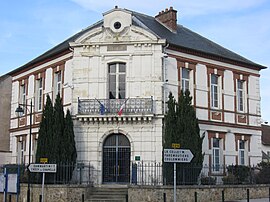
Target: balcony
[{"x": 135, "y": 109}]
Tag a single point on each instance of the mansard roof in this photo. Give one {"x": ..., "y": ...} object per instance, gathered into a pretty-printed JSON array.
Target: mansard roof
[{"x": 183, "y": 39}]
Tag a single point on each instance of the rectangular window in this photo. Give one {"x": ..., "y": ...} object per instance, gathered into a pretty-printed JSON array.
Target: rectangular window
[
  {"x": 21, "y": 148},
  {"x": 214, "y": 91},
  {"x": 185, "y": 79},
  {"x": 57, "y": 83},
  {"x": 23, "y": 96},
  {"x": 240, "y": 95},
  {"x": 216, "y": 154},
  {"x": 39, "y": 94},
  {"x": 241, "y": 152},
  {"x": 117, "y": 81}
]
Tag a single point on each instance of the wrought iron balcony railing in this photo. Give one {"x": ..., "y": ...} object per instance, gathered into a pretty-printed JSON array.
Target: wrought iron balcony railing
[{"x": 113, "y": 106}]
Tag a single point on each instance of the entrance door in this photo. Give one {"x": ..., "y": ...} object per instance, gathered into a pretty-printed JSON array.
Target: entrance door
[{"x": 116, "y": 159}]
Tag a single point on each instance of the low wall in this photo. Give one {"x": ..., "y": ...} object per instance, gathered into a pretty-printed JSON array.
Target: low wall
[
  {"x": 73, "y": 193},
  {"x": 204, "y": 193},
  {"x": 52, "y": 193}
]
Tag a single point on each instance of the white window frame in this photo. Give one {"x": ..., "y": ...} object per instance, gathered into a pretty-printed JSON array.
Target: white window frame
[
  {"x": 39, "y": 94},
  {"x": 216, "y": 154},
  {"x": 21, "y": 145},
  {"x": 58, "y": 84},
  {"x": 242, "y": 152},
  {"x": 117, "y": 80},
  {"x": 185, "y": 81},
  {"x": 240, "y": 95},
  {"x": 23, "y": 97},
  {"x": 214, "y": 92}
]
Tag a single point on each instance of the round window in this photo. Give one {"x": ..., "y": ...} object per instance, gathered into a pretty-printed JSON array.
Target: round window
[{"x": 117, "y": 25}]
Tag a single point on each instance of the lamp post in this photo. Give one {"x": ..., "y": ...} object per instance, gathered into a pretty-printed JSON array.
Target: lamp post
[{"x": 20, "y": 110}]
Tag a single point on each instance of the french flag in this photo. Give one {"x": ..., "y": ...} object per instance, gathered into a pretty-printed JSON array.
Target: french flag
[{"x": 120, "y": 112}]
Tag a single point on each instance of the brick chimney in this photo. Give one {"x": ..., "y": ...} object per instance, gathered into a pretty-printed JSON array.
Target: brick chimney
[{"x": 168, "y": 18}]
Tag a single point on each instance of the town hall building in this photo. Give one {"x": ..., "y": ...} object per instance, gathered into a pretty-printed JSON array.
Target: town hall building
[{"x": 115, "y": 77}]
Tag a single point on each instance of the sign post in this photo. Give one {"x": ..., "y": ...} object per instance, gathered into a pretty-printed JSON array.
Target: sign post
[
  {"x": 42, "y": 168},
  {"x": 176, "y": 156}
]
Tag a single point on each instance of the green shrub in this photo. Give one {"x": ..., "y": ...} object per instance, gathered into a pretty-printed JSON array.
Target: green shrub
[
  {"x": 230, "y": 179},
  {"x": 263, "y": 177},
  {"x": 208, "y": 180},
  {"x": 241, "y": 173}
]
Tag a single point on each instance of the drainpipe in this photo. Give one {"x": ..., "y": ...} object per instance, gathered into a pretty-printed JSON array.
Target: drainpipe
[{"x": 164, "y": 76}]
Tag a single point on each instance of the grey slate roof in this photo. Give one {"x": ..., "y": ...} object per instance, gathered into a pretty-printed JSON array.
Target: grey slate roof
[{"x": 183, "y": 38}]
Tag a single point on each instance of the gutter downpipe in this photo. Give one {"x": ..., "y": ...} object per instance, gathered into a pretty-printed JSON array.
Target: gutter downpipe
[{"x": 164, "y": 77}]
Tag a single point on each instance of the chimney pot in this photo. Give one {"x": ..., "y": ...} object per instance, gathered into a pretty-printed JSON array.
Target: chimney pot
[
  {"x": 166, "y": 10},
  {"x": 116, "y": 7}
]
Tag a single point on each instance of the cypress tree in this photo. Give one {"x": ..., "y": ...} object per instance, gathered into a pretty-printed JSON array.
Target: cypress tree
[
  {"x": 69, "y": 145},
  {"x": 170, "y": 134},
  {"x": 45, "y": 143},
  {"x": 183, "y": 129},
  {"x": 58, "y": 129}
]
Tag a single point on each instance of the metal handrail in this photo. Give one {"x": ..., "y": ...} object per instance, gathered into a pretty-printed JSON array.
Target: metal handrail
[{"x": 112, "y": 106}]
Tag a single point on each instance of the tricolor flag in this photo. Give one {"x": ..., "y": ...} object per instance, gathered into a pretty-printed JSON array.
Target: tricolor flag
[
  {"x": 101, "y": 108},
  {"x": 120, "y": 112}
]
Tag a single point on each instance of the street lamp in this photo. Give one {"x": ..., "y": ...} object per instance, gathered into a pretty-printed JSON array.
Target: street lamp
[{"x": 20, "y": 110}]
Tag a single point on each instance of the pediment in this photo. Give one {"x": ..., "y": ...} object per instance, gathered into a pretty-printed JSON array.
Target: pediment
[{"x": 103, "y": 35}]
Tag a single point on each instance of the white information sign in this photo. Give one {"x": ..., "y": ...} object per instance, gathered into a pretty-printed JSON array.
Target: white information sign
[
  {"x": 177, "y": 155},
  {"x": 42, "y": 168},
  {"x": 12, "y": 183},
  {"x": 2, "y": 182}
]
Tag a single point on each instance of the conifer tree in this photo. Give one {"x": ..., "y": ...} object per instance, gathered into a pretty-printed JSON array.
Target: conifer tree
[
  {"x": 183, "y": 129},
  {"x": 69, "y": 146},
  {"x": 170, "y": 134},
  {"x": 58, "y": 129},
  {"x": 45, "y": 143}
]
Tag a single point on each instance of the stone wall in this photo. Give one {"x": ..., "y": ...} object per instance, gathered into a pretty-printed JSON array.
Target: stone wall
[
  {"x": 52, "y": 193},
  {"x": 73, "y": 193},
  {"x": 204, "y": 193}
]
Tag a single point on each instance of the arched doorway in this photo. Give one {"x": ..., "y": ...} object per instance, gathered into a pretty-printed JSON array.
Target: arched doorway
[{"x": 116, "y": 159}]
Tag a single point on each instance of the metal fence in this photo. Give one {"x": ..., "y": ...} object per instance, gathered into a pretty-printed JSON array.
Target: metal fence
[{"x": 151, "y": 173}]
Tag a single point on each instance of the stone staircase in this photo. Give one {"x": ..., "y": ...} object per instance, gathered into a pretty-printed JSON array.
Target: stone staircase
[{"x": 107, "y": 193}]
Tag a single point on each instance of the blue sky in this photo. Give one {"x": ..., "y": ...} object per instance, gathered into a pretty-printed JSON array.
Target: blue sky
[{"x": 29, "y": 28}]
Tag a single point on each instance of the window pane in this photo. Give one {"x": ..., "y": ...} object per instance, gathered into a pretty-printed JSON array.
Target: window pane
[
  {"x": 112, "y": 95},
  {"x": 122, "y": 86},
  {"x": 215, "y": 142},
  {"x": 240, "y": 84},
  {"x": 112, "y": 87},
  {"x": 122, "y": 78},
  {"x": 59, "y": 77},
  {"x": 241, "y": 144},
  {"x": 112, "y": 78},
  {"x": 112, "y": 68},
  {"x": 122, "y": 67},
  {"x": 185, "y": 73},
  {"x": 122, "y": 95},
  {"x": 214, "y": 79}
]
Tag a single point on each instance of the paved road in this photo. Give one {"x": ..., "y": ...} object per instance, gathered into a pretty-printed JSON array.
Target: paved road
[{"x": 253, "y": 200}]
